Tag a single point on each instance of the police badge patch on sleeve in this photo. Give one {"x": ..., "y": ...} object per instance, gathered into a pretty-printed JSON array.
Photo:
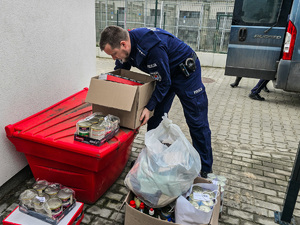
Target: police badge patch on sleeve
[{"x": 156, "y": 76}]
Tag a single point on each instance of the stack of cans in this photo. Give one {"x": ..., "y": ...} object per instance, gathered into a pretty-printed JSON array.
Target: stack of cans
[
  {"x": 97, "y": 126},
  {"x": 202, "y": 199},
  {"x": 49, "y": 199}
]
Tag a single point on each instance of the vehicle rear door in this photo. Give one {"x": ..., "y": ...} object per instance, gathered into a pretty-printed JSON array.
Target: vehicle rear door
[{"x": 256, "y": 38}]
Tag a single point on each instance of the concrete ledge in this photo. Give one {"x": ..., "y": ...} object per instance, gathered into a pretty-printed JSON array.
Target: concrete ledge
[{"x": 206, "y": 58}]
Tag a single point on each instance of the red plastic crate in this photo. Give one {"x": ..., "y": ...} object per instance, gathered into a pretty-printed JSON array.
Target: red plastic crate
[{"x": 47, "y": 139}]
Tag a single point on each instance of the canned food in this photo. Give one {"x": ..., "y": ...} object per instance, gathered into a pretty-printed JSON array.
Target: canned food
[
  {"x": 99, "y": 117},
  {"x": 41, "y": 182},
  {"x": 39, "y": 203},
  {"x": 51, "y": 191},
  {"x": 204, "y": 208},
  {"x": 222, "y": 178},
  {"x": 107, "y": 124},
  {"x": 66, "y": 196},
  {"x": 197, "y": 189},
  {"x": 210, "y": 203},
  {"x": 93, "y": 120},
  {"x": 97, "y": 131},
  {"x": 27, "y": 196},
  {"x": 212, "y": 195},
  {"x": 211, "y": 176},
  {"x": 39, "y": 187},
  {"x": 55, "y": 186},
  {"x": 115, "y": 122},
  {"x": 55, "y": 206},
  {"x": 195, "y": 204},
  {"x": 84, "y": 128}
]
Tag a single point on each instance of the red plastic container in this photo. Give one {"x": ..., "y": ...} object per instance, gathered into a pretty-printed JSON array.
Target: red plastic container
[{"x": 47, "y": 139}]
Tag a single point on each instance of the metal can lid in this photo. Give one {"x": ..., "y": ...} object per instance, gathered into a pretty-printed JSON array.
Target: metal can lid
[
  {"x": 54, "y": 203},
  {"x": 208, "y": 203},
  {"x": 222, "y": 178},
  {"x": 65, "y": 193},
  {"x": 97, "y": 126},
  {"x": 195, "y": 204},
  {"x": 28, "y": 194},
  {"x": 93, "y": 120},
  {"x": 222, "y": 184},
  {"x": 84, "y": 124},
  {"x": 40, "y": 186},
  {"x": 197, "y": 188},
  {"x": 41, "y": 182},
  {"x": 211, "y": 175},
  {"x": 51, "y": 190},
  {"x": 204, "y": 208}
]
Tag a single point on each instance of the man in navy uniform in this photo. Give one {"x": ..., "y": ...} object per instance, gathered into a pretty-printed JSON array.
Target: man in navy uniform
[
  {"x": 261, "y": 85},
  {"x": 176, "y": 69}
]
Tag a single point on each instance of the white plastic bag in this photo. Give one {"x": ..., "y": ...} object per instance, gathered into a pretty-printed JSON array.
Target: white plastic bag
[
  {"x": 187, "y": 214},
  {"x": 166, "y": 167}
]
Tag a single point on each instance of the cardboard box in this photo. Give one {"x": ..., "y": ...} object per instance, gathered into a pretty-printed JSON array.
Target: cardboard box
[
  {"x": 122, "y": 100},
  {"x": 75, "y": 216},
  {"x": 46, "y": 218},
  {"x": 135, "y": 217}
]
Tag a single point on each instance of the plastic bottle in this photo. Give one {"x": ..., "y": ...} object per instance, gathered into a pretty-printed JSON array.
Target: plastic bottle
[
  {"x": 151, "y": 212},
  {"x": 132, "y": 204},
  {"x": 142, "y": 207}
]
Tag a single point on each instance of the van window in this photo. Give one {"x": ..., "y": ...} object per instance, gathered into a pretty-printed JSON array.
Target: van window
[{"x": 260, "y": 12}]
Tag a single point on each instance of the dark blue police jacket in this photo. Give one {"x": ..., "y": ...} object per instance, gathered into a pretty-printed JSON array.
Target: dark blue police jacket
[{"x": 158, "y": 53}]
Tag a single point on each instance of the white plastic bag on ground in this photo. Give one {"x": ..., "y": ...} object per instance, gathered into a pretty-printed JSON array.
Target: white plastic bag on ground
[{"x": 166, "y": 167}]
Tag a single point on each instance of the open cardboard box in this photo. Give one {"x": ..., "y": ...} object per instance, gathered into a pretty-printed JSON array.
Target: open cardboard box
[
  {"x": 135, "y": 217},
  {"x": 122, "y": 100}
]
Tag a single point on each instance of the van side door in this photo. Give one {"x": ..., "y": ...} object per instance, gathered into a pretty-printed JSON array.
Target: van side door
[{"x": 256, "y": 38}]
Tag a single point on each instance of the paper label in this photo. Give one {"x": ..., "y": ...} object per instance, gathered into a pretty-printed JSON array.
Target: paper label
[
  {"x": 41, "y": 199},
  {"x": 201, "y": 197}
]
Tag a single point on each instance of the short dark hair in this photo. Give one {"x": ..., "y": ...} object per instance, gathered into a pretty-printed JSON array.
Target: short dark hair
[{"x": 112, "y": 35}]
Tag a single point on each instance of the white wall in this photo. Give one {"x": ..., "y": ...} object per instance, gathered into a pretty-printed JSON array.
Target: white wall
[{"x": 47, "y": 53}]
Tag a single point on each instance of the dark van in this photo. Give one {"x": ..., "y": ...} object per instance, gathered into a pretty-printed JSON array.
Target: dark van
[{"x": 264, "y": 42}]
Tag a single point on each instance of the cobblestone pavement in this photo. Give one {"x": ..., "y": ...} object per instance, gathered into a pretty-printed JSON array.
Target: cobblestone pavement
[{"x": 254, "y": 146}]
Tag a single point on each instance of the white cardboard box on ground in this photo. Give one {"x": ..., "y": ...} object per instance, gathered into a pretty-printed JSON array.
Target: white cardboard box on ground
[{"x": 19, "y": 218}]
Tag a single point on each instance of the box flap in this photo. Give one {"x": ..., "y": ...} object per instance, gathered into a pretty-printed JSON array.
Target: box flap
[
  {"x": 145, "y": 78},
  {"x": 111, "y": 94}
]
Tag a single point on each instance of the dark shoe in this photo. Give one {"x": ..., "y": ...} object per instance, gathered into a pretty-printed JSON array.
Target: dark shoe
[
  {"x": 266, "y": 89},
  {"x": 233, "y": 85},
  {"x": 256, "y": 97}
]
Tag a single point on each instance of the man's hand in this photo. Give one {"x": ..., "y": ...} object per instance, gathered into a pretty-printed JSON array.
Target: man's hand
[{"x": 145, "y": 116}]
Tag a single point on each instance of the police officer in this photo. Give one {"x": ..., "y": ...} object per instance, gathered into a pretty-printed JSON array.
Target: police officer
[
  {"x": 176, "y": 69},
  {"x": 261, "y": 85}
]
